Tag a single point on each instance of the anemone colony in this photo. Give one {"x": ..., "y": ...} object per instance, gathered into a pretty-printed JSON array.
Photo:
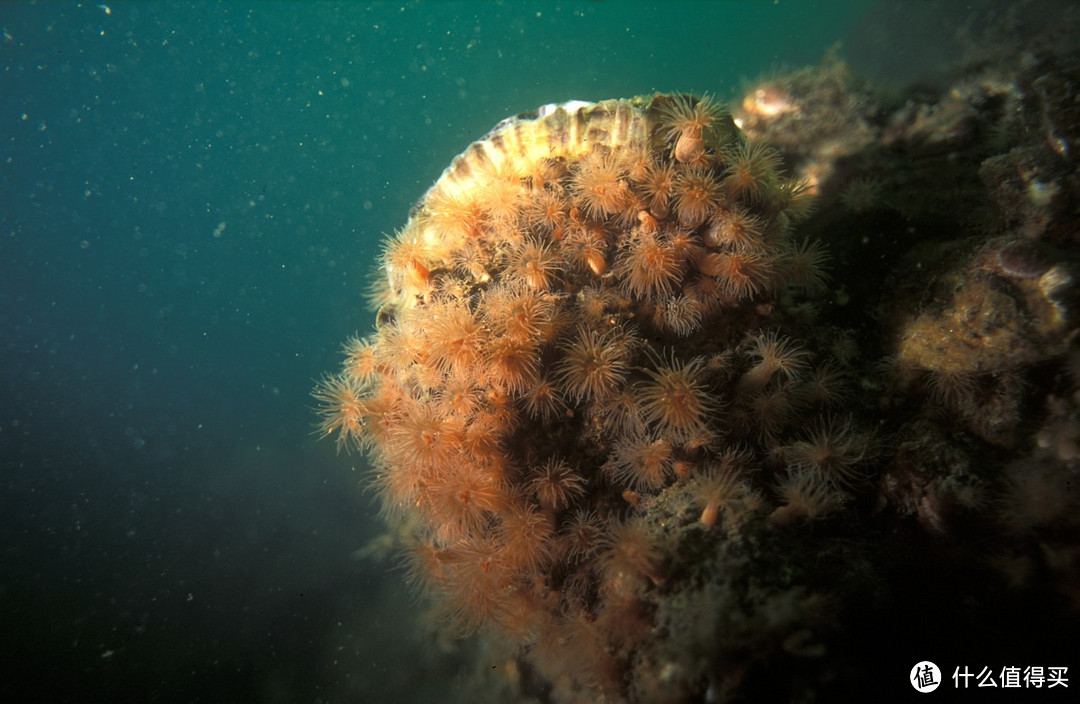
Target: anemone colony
[{"x": 589, "y": 307}]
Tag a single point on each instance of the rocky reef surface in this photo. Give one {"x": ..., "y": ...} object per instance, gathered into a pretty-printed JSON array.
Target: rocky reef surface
[{"x": 669, "y": 402}]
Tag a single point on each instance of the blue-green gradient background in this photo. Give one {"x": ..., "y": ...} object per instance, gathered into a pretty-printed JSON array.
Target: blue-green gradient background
[{"x": 192, "y": 197}]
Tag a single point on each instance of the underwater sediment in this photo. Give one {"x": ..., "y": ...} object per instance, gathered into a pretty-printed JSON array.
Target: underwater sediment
[{"x": 674, "y": 404}]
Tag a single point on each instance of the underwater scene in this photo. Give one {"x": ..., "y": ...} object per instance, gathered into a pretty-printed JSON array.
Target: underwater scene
[{"x": 540, "y": 352}]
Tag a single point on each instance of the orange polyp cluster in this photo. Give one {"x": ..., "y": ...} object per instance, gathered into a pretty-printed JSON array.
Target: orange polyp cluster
[
  {"x": 774, "y": 354},
  {"x": 722, "y": 491},
  {"x": 697, "y": 195},
  {"x": 555, "y": 485},
  {"x": 343, "y": 409},
  {"x": 675, "y": 399},
  {"x": 804, "y": 496},
  {"x": 550, "y": 324},
  {"x": 594, "y": 364},
  {"x": 686, "y": 119},
  {"x": 599, "y": 186},
  {"x": 751, "y": 166},
  {"x": 534, "y": 264},
  {"x": 650, "y": 267}
]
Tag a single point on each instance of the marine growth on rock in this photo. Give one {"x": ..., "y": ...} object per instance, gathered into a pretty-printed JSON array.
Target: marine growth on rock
[{"x": 586, "y": 309}]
